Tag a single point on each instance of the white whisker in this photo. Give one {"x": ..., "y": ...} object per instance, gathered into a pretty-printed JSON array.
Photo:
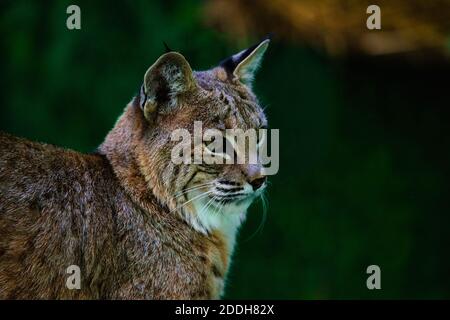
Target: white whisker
[
  {"x": 264, "y": 203},
  {"x": 219, "y": 207},
  {"x": 177, "y": 194},
  {"x": 205, "y": 207},
  {"x": 194, "y": 198}
]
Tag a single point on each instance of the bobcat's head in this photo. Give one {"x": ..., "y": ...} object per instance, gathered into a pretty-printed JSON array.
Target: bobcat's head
[{"x": 173, "y": 97}]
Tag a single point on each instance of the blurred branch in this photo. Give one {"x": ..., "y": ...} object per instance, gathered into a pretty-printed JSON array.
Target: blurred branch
[{"x": 339, "y": 26}]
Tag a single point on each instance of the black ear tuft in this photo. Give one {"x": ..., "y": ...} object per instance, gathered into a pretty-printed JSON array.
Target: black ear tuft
[{"x": 166, "y": 47}]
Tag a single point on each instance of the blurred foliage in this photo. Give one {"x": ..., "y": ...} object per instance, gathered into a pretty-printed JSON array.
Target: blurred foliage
[
  {"x": 364, "y": 142},
  {"x": 339, "y": 26}
]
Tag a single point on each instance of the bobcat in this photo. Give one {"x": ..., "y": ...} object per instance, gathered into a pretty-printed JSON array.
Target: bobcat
[{"x": 137, "y": 225}]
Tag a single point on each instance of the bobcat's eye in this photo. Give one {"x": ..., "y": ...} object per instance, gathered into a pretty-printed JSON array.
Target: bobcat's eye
[
  {"x": 214, "y": 145},
  {"x": 221, "y": 147}
]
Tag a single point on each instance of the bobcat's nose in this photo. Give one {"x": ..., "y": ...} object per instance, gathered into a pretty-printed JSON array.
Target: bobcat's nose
[
  {"x": 254, "y": 176},
  {"x": 257, "y": 182}
]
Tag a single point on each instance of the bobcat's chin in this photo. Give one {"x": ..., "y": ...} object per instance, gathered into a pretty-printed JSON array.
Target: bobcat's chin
[{"x": 221, "y": 207}]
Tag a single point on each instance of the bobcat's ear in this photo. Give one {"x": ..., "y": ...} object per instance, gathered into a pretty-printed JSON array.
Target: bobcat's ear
[
  {"x": 243, "y": 65},
  {"x": 168, "y": 78}
]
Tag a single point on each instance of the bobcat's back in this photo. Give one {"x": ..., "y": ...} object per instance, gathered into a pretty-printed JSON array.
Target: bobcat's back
[
  {"x": 48, "y": 198},
  {"x": 60, "y": 208}
]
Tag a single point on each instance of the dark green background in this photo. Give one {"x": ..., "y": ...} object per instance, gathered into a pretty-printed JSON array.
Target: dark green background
[{"x": 364, "y": 142}]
